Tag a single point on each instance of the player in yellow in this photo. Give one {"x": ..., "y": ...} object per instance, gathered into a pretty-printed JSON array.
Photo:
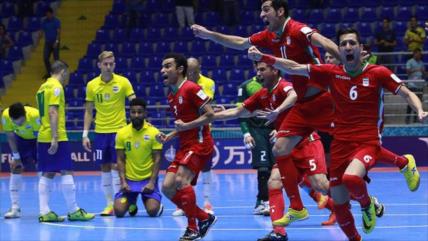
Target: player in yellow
[
  {"x": 106, "y": 93},
  {"x": 138, "y": 162},
  {"x": 208, "y": 86},
  {"x": 53, "y": 153},
  {"x": 21, "y": 124}
]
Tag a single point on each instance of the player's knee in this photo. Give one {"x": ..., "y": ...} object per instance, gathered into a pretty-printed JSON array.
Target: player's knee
[
  {"x": 119, "y": 211},
  {"x": 167, "y": 189},
  {"x": 153, "y": 211},
  {"x": 274, "y": 184},
  {"x": 263, "y": 174}
]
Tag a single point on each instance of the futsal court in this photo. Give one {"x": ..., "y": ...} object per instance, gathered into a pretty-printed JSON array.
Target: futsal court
[{"x": 233, "y": 198}]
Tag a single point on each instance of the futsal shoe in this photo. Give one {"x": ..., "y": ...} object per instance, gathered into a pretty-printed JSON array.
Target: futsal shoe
[
  {"x": 80, "y": 215},
  {"x": 331, "y": 220},
  {"x": 190, "y": 234},
  {"x": 208, "y": 208},
  {"x": 292, "y": 216},
  {"x": 51, "y": 217},
  {"x": 272, "y": 236},
  {"x": 133, "y": 210},
  {"x": 178, "y": 212},
  {"x": 108, "y": 211},
  {"x": 379, "y": 207},
  {"x": 322, "y": 200},
  {"x": 262, "y": 208},
  {"x": 206, "y": 225},
  {"x": 13, "y": 213},
  {"x": 369, "y": 217},
  {"x": 411, "y": 173}
]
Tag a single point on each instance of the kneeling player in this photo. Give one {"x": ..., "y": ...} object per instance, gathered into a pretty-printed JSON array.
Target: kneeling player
[{"x": 138, "y": 159}]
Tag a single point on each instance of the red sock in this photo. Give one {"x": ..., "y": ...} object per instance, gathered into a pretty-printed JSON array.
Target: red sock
[
  {"x": 289, "y": 179},
  {"x": 346, "y": 221},
  {"x": 358, "y": 189},
  {"x": 277, "y": 206},
  {"x": 330, "y": 204},
  {"x": 389, "y": 157},
  {"x": 185, "y": 199}
]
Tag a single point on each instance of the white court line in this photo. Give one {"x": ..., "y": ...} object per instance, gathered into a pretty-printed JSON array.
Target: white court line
[{"x": 223, "y": 229}]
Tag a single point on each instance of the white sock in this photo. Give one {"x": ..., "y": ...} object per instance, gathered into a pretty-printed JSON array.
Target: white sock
[
  {"x": 206, "y": 182},
  {"x": 15, "y": 183},
  {"x": 69, "y": 192},
  {"x": 115, "y": 181},
  {"x": 106, "y": 187},
  {"x": 44, "y": 190}
]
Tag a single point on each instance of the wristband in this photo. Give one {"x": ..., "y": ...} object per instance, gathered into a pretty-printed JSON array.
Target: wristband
[
  {"x": 16, "y": 156},
  {"x": 85, "y": 133},
  {"x": 269, "y": 60}
]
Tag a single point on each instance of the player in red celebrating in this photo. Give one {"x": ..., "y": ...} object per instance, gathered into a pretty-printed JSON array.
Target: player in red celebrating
[
  {"x": 357, "y": 90},
  {"x": 190, "y": 104}
]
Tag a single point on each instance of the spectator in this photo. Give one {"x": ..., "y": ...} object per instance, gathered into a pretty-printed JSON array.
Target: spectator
[
  {"x": 51, "y": 28},
  {"x": 371, "y": 58},
  {"x": 416, "y": 71},
  {"x": 5, "y": 41},
  {"x": 386, "y": 42},
  {"x": 414, "y": 36},
  {"x": 185, "y": 11}
]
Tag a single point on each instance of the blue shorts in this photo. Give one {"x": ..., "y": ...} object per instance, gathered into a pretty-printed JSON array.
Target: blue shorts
[
  {"x": 60, "y": 161},
  {"x": 136, "y": 188},
  {"x": 104, "y": 148},
  {"x": 27, "y": 149}
]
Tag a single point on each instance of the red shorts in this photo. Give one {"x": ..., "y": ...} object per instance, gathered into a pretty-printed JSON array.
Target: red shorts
[
  {"x": 316, "y": 113},
  {"x": 308, "y": 157},
  {"x": 194, "y": 158},
  {"x": 343, "y": 152}
]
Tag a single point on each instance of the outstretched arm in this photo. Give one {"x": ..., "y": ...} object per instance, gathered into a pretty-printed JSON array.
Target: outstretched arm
[
  {"x": 325, "y": 43},
  {"x": 414, "y": 102},
  {"x": 285, "y": 65},
  {"x": 229, "y": 41}
]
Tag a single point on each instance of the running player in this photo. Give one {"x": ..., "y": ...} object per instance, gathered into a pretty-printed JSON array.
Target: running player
[
  {"x": 21, "y": 124},
  {"x": 107, "y": 94},
  {"x": 208, "y": 86},
  {"x": 138, "y": 161},
  {"x": 53, "y": 153},
  {"x": 356, "y": 90},
  {"x": 189, "y": 103}
]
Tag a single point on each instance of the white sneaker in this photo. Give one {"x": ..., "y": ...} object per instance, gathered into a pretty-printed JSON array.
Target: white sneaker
[
  {"x": 259, "y": 209},
  {"x": 266, "y": 209},
  {"x": 13, "y": 213},
  {"x": 178, "y": 212}
]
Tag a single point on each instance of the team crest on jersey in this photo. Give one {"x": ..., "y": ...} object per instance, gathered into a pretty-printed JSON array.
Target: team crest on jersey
[
  {"x": 366, "y": 82},
  {"x": 146, "y": 137},
  {"x": 115, "y": 89},
  {"x": 137, "y": 144},
  {"x": 180, "y": 100}
]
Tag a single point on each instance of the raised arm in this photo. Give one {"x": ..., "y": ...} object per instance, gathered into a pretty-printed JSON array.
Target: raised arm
[
  {"x": 414, "y": 102},
  {"x": 285, "y": 65},
  {"x": 325, "y": 43},
  {"x": 229, "y": 41}
]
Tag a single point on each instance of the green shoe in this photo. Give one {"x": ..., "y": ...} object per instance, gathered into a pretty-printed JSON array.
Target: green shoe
[
  {"x": 80, "y": 215},
  {"x": 132, "y": 210},
  {"x": 369, "y": 217},
  {"x": 411, "y": 173},
  {"x": 51, "y": 217},
  {"x": 292, "y": 216}
]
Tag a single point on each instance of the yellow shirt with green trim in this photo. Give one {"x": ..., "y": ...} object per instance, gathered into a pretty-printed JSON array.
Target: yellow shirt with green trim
[
  {"x": 28, "y": 130},
  {"x": 207, "y": 85},
  {"x": 51, "y": 93},
  {"x": 138, "y": 146},
  {"x": 109, "y": 100}
]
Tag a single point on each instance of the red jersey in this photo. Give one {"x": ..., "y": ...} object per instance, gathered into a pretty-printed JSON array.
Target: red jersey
[
  {"x": 294, "y": 43},
  {"x": 270, "y": 99},
  {"x": 186, "y": 104},
  {"x": 358, "y": 100}
]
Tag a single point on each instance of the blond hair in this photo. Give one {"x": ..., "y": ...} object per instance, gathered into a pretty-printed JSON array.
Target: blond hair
[{"x": 104, "y": 55}]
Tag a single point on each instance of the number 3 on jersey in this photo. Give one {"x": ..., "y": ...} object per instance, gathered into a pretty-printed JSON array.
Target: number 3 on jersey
[{"x": 353, "y": 94}]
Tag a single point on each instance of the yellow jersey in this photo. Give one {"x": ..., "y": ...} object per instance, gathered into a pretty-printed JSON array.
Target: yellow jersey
[
  {"x": 138, "y": 147},
  {"x": 207, "y": 85},
  {"x": 51, "y": 93},
  {"x": 28, "y": 130},
  {"x": 109, "y": 100}
]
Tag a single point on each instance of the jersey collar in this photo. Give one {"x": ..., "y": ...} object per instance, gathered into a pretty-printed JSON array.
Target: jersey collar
[
  {"x": 358, "y": 72},
  {"x": 175, "y": 89},
  {"x": 279, "y": 33},
  {"x": 276, "y": 85}
]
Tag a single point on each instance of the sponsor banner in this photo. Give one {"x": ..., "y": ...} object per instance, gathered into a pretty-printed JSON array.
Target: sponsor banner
[{"x": 229, "y": 153}]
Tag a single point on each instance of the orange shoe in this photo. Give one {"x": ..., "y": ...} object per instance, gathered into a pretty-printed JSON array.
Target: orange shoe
[
  {"x": 331, "y": 220},
  {"x": 322, "y": 200}
]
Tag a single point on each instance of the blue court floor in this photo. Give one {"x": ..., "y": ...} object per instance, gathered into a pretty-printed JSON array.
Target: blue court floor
[{"x": 233, "y": 197}]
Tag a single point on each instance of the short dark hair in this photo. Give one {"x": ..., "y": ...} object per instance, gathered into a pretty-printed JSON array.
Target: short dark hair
[
  {"x": 180, "y": 60},
  {"x": 277, "y": 4},
  {"x": 57, "y": 66},
  {"x": 417, "y": 50},
  {"x": 347, "y": 31},
  {"x": 16, "y": 110},
  {"x": 138, "y": 102}
]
